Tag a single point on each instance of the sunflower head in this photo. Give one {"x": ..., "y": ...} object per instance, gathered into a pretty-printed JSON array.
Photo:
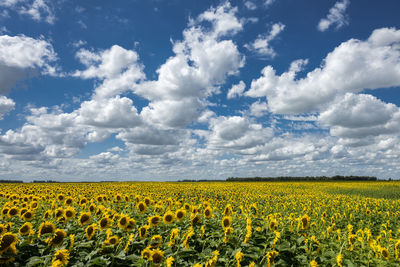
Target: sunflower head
[
  {"x": 104, "y": 223},
  {"x": 61, "y": 257},
  {"x": 46, "y": 228},
  {"x": 147, "y": 200},
  {"x": 385, "y": 253},
  {"x": 84, "y": 218},
  {"x": 28, "y": 215},
  {"x": 58, "y": 213},
  {"x": 146, "y": 253},
  {"x": 195, "y": 219},
  {"x": 26, "y": 229},
  {"x": 90, "y": 231},
  {"x": 8, "y": 240},
  {"x": 169, "y": 217},
  {"x": 57, "y": 238},
  {"x": 142, "y": 206},
  {"x": 60, "y": 197},
  {"x": 123, "y": 221},
  {"x": 13, "y": 212},
  {"x": 226, "y": 222},
  {"x": 112, "y": 240},
  {"x": 154, "y": 220},
  {"x": 305, "y": 222},
  {"x": 208, "y": 213},
  {"x": 143, "y": 231},
  {"x": 69, "y": 213},
  {"x": 131, "y": 224},
  {"x": 157, "y": 256},
  {"x": 180, "y": 214},
  {"x": 68, "y": 201}
]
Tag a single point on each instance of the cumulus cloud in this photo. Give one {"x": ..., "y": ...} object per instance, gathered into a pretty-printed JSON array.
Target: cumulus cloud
[
  {"x": 261, "y": 45},
  {"x": 258, "y": 109},
  {"x": 236, "y": 90},
  {"x": 118, "y": 68},
  {"x": 202, "y": 61},
  {"x": 353, "y": 66},
  {"x": 336, "y": 16},
  {"x": 250, "y": 5},
  {"x": 39, "y": 10},
  {"x": 6, "y": 105},
  {"x": 20, "y": 55}
]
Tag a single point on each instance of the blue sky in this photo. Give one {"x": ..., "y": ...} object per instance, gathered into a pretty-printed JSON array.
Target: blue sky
[{"x": 169, "y": 90}]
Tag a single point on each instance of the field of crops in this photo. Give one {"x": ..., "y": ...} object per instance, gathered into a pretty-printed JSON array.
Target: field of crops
[{"x": 200, "y": 224}]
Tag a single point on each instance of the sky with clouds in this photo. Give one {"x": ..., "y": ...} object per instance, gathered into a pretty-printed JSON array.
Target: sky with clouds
[{"x": 169, "y": 90}]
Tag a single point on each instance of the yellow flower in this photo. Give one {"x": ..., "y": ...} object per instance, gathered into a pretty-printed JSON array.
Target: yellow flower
[
  {"x": 46, "y": 228},
  {"x": 385, "y": 253},
  {"x": 168, "y": 217},
  {"x": 174, "y": 234},
  {"x": 112, "y": 240},
  {"x": 154, "y": 220},
  {"x": 208, "y": 213},
  {"x": 123, "y": 221},
  {"x": 84, "y": 218},
  {"x": 146, "y": 253},
  {"x": 143, "y": 231},
  {"x": 157, "y": 256},
  {"x": 7, "y": 241},
  {"x": 104, "y": 223},
  {"x": 60, "y": 258},
  {"x": 90, "y": 231},
  {"x": 339, "y": 259},
  {"x": 180, "y": 214},
  {"x": 305, "y": 222},
  {"x": 313, "y": 263},
  {"x": 169, "y": 261},
  {"x": 238, "y": 256},
  {"x": 57, "y": 238},
  {"x": 26, "y": 229},
  {"x": 226, "y": 222},
  {"x": 195, "y": 219}
]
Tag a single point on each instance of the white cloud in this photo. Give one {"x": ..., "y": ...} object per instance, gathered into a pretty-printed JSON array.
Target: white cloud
[
  {"x": 117, "y": 67},
  {"x": 6, "y": 105},
  {"x": 336, "y": 16},
  {"x": 114, "y": 112},
  {"x": 351, "y": 67},
  {"x": 258, "y": 109},
  {"x": 236, "y": 90},
  {"x": 267, "y": 3},
  {"x": 201, "y": 63},
  {"x": 262, "y": 45},
  {"x": 250, "y": 5},
  {"x": 20, "y": 55},
  {"x": 39, "y": 10}
]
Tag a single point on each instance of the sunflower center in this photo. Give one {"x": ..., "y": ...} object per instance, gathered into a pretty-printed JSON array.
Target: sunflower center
[{"x": 157, "y": 258}]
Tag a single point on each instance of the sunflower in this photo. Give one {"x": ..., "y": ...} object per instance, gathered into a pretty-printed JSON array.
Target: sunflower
[
  {"x": 147, "y": 200},
  {"x": 47, "y": 214},
  {"x": 26, "y": 229},
  {"x": 90, "y": 231},
  {"x": 305, "y": 222},
  {"x": 59, "y": 213},
  {"x": 143, "y": 231},
  {"x": 28, "y": 215},
  {"x": 68, "y": 201},
  {"x": 385, "y": 253},
  {"x": 4, "y": 212},
  {"x": 170, "y": 260},
  {"x": 186, "y": 206},
  {"x": 57, "y": 238},
  {"x": 60, "y": 258},
  {"x": 157, "y": 256},
  {"x": 131, "y": 224},
  {"x": 195, "y": 219},
  {"x": 83, "y": 201},
  {"x": 142, "y": 207},
  {"x": 22, "y": 211},
  {"x": 168, "y": 217},
  {"x": 174, "y": 234},
  {"x": 156, "y": 241},
  {"x": 34, "y": 205},
  {"x": 112, "y": 240},
  {"x": 154, "y": 220},
  {"x": 46, "y": 228},
  {"x": 7, "y": 241},
  {"x": 92, "y": 207},
  {"x": 208, "y": 213},
  {"x": 273, "y": 224},
  {"x": 12, "y": 212},
  {"x": 146, "y": 253},
  {"x": 123, "y": 221},
  {"x": 180, "y": 214},
  {"x": 69, "y": 213},
  {"x": 104, "y": 223},
  {"x": 228, "y": 210},
  {"x": 226, "y": 222},
  {"x": 3, "y": 229},
  {"x": 60, "y": 197},
  {"x": 238, "y": 256},
  {"x": 84, "y": 218}
]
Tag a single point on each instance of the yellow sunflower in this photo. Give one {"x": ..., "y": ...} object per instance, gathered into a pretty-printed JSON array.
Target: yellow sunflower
[
  {"x": 46, "y": 227},
  {"x": 112, "y": 240},
  {"x": 154, "y": 220},
  {"x": 123, "y": 221},
  {"x": 60, "y": 258},
  {"x": 26, "y": 229},
  {"x": 180, "y": 214},
  {"x": 84, "y": 218},
  {"x": 7, "y": 241},
  {"x": 142, "y": 207},
  {"x": 13, "y": 212},
  {"x": 90, "y": 231},
  {"x": 143, "y": 231},
  {"x": 168, "y": 217},
  {"x": 208, "y": 213},
  {"x": 226, "y": 222},
  {"x": 157, "y": 256},
  {"x": 57, "y": 238},
  {"x": 104, "y": 223},
  {"x": 28, "y": 215}
]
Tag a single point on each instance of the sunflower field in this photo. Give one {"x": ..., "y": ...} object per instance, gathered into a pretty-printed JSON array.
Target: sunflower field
[{"x": 200, "y": 224}]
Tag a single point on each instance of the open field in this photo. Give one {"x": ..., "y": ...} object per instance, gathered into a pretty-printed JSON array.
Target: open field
[{"x": 201, "y": 224}]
